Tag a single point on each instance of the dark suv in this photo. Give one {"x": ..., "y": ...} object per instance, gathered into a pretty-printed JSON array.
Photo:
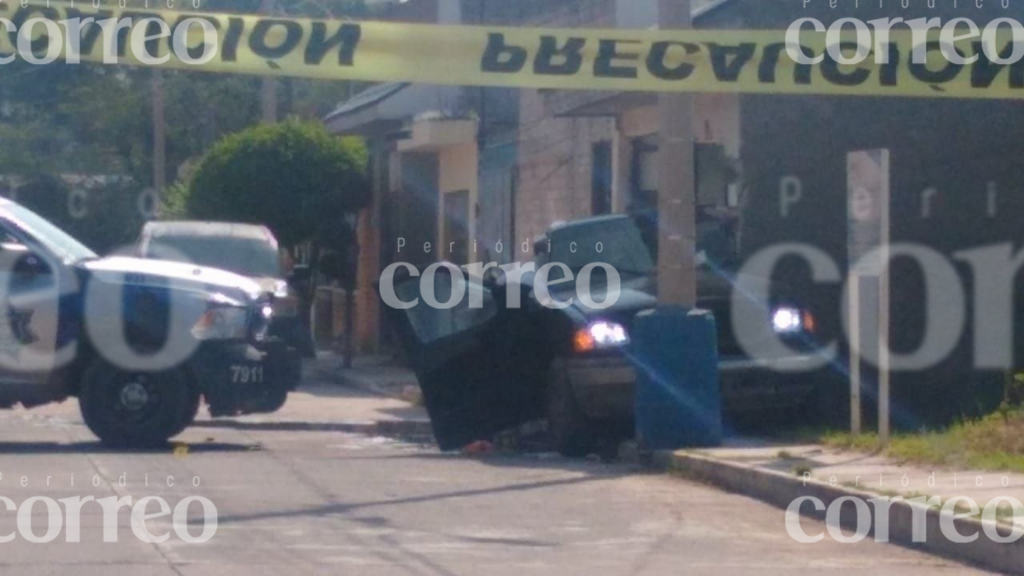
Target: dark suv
[{"x": 561, "y": 354}]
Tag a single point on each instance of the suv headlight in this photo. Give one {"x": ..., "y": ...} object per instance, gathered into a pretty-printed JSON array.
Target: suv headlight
[
  {"x": 600, "y": 336},
  {"x": 788, "y": 320}
]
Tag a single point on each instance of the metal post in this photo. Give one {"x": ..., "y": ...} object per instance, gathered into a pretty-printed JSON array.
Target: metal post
[
  {"x": 268, "y": 99},
  {"x": 884, "y": 378},
  {"x": 855, "y": 311},
  {"x": 884, "y": 319},
  {"x": 677, "y": 283},
  {"x": 159, "y": 131}
]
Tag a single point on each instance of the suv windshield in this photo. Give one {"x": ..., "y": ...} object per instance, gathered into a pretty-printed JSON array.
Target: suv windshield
[
  {"x": 245, "y": 256},
  {"x": 60, "y": 243},
  {"x": 615, "y": 242}
]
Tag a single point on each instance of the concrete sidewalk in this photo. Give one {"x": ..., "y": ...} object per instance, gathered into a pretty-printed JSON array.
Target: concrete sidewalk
[
  {"x": 781, "y": 473},
  {"x": 380, "y": 375},
  {"x": 875, "y": 473}
]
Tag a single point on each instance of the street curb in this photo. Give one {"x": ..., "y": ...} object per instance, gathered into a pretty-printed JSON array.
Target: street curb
[
  {"x": 337, "y": 376},
  {"x": 781, "y": 489},
  {"x": 391, "y": 428},
  {"x": 320, "y": 372},
  {"x": 658, "y": 460},
  {"x": 367, "y": 385}
]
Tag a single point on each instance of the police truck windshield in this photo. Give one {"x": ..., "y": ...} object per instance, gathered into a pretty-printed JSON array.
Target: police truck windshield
[{"x": 60, "y": 243}]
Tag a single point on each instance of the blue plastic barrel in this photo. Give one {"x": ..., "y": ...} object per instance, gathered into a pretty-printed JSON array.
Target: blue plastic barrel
[{"x": 678, "y": 395}]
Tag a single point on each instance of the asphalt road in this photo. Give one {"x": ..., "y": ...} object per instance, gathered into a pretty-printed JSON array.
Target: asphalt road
[{"x": 295, "y": 502}]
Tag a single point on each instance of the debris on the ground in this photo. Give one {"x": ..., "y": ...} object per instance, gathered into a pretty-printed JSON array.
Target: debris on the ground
[{"x": 478, "y": 448}]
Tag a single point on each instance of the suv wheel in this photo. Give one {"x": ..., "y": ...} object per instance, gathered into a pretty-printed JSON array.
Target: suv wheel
[
  {"x": 136, "y": 409},
  {"x": 568, "y": 426}
]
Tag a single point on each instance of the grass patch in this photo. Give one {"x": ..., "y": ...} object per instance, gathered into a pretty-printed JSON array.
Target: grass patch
[
  {"x": 802, "y": 470},
  {"x": 995, "y": 443},
  {"x": 847, "y": 441}
]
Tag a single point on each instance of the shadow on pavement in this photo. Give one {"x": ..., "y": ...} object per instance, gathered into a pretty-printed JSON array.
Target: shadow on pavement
[
  {"x": 410, "y": 413},
  {"x": 524, "y": 461},
  {"x": 97, "y": 448},
  {"x": 286, "y": 426},
  {"x": 339, "y": 508}
]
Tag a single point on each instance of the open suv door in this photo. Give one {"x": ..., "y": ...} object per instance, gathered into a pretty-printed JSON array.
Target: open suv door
[{"x": 470, "y": 357}]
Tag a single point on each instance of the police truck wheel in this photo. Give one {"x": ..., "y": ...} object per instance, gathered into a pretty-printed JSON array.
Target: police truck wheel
[
  {"x": 568, "y": 427},
  {"x": 271, "y": 400},
  {"x": 136, "y": 410}
]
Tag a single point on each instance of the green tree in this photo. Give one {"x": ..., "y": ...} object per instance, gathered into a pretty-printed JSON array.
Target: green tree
[
  {"x": 274, "y": 175},
  {"x": 95, "y": 120},
  {"x": 298, "y": 180}
]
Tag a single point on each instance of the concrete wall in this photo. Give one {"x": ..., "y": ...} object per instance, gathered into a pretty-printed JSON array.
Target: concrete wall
[
  {"x": 458, "y": 171},
  {"x": 716, "y": 120},
  {"x": 555, "y": 153},
  {"x": 555, "y": 157}
]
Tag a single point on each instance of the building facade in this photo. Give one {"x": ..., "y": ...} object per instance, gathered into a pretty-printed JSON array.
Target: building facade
[
  {"x": 443, "y": 162},
  {"x": 769, "y": 170},
  {"x": 589, "y": 153}
]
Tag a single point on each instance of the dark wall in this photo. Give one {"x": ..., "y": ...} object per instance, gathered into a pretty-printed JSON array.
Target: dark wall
[{"x": 958, "y": 147}]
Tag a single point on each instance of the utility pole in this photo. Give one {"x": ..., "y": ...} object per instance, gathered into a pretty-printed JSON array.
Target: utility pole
[
  {"x": 159, "y": 131},
  {"x": 677, "y": 281},
  {"x": 481, "y": 139},
  {"x": 678, "y": 395},
  {"x": 269, "y": 91}
]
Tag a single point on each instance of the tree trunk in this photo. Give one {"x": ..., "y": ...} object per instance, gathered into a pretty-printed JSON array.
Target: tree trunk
[
  {"x": 350, "y": 301},
  {"x": 309, "y": 304},
  {"x": 350, "y": 305}
]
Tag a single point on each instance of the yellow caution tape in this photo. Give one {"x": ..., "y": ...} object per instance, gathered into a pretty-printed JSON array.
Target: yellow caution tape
[{"x": 618, "y": 60}]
